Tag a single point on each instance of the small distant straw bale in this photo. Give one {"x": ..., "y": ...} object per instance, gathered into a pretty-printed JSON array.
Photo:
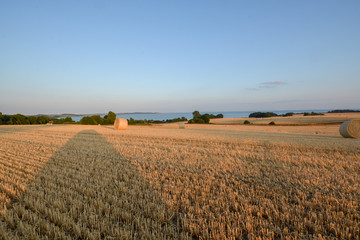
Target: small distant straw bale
[
  {"x": 120, "y": 124},
  {"x": 350, "y": 129}
]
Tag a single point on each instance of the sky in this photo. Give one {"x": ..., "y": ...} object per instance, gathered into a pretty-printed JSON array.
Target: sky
[{"x": 178, "y": 56}]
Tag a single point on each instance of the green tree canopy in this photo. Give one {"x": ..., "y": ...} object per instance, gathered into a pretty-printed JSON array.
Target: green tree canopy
[
  {"x": 98, "y": 119},
  {"x": 20, "y": 119},
  {"x": 110, "y": 118},
  {"x": 32, "y": 120},
  {"x": 68, "y": 120},
  {"x": 88, "y": 121},
  {"x": 196, "y": 114},
  {"x": 205, "y": 118},
  {"x": 262, "y": 114},
  {"x": 42, "y": 119}
]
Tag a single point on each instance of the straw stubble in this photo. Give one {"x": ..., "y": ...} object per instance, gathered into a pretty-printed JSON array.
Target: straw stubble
[{"x": 140, "y": 184}]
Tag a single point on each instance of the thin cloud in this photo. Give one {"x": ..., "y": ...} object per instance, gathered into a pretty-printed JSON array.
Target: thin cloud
[
  {"x": 274, "y": 83},
  {"x": 271, "y": 84}
]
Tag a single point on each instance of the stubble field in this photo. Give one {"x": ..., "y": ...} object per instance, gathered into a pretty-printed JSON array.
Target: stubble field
[{"x": 160, "y": 182}]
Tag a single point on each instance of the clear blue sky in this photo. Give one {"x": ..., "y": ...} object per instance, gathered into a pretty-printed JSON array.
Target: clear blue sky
[{"x": 176, "y": 56}]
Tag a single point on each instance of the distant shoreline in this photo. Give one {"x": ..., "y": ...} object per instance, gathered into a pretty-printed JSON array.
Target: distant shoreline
[
  {"x": 86, "y": 114},
  {"x": 227, "y": 114}
]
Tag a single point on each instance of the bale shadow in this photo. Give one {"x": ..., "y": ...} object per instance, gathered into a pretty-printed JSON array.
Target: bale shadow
[
  {"x": 109, "y": 127},
  {"x": 87, "y": 190}
]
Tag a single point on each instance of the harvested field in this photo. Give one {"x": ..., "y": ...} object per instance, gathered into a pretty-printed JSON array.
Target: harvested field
[
  {"x": 297, "y": 119},
  {"x": 161, "y": 182}
]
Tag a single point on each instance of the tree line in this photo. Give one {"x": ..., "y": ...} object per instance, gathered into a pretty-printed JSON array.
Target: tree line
[
  {"x": 108, "y": 119},
  {"x": 269, "y": 114},
  {"x": 97, "y": 119},
  {"x": 19, "y": 119},
  {"x": 289, "y": 114}
]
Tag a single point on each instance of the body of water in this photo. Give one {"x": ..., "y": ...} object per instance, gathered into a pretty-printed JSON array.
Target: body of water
[{"x": 188, "y": 115}]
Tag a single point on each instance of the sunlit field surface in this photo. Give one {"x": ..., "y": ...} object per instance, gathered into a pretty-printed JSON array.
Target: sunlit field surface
[{"x": 162, "y": 182}]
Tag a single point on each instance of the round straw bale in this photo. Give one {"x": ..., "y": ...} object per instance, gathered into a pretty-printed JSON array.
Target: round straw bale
[
  {"x": 120, "y": 124},
  {"x": 350, "y": 129}
]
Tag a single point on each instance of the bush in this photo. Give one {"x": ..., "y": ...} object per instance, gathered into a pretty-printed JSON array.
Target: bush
[
  {"x": 66, "y": 120},
  {"x": 88, "y": 121},
  {"x": 98, "y": 119},
  {"x": 272, "y": 123},
  {"x": 43, "y": 119},
  {"x": 220, "y": 115},
  {"x": 247, "y": 122},
  {"x": 262, "y": 115},
  {"x": 206, "y": 118},
  {"x": 182, "y": 119},
  {"x": 197, "y": 120},
  {"x": 131, "y": 121},
  {"x": 32, "y": 119},
  {"x": 312, "y": 114},
  {"x": 343, "y": 111}
]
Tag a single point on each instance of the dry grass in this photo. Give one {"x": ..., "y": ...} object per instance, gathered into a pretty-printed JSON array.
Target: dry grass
[{"x": 82, "y": 182}]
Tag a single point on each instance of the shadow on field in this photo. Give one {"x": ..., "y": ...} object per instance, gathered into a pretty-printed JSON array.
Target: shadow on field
[{"x": 87, "y": 190}]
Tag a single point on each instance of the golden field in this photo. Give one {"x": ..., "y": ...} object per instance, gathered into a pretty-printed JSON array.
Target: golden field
[{"x": 159, "y": 182}]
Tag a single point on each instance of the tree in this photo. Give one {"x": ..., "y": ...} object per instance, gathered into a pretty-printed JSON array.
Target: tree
[
  {"x": 98, "y": 119},
  {"x": 131, "y": 121},
  {"x": 5, "y": 119},
  {"x": 206, "y": 118},
  {"x": 20, "y": 119},
  {"x": 68, "y": 120},
  {"x": 196, "y": 114},
  {"x": 110, "y": 118},
  {"x": 42, "y": 119},
  {"x": 199, "y": 120},
  {"x": 88, "y": 121},
  {"x": 262, "y": 115},
  {"x": 32, "y": 119},
  {"x": 11, "y": 121}
]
